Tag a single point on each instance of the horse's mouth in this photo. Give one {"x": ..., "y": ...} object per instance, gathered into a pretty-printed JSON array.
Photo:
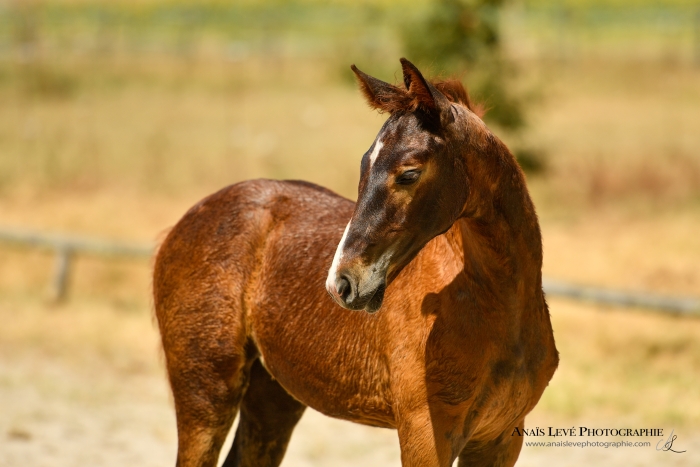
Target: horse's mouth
[
  {"x": 371, "y": 303},
  {"x": 377, "y": 299}
]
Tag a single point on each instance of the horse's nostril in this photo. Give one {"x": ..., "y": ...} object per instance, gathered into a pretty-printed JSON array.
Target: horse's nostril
[{"x": 342, "y": 286}]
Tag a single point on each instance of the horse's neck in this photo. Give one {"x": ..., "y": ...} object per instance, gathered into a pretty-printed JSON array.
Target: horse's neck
[
  {"x": 500, "y": 212},
  {"x": 499, "y": 236},
  {"x": 497, "y": 256}
]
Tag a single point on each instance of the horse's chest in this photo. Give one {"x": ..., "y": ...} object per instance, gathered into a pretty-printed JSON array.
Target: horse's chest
[{"x": 463, "y": 360}]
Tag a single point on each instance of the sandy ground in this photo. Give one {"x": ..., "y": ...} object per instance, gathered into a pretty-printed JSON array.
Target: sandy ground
[{"x": 66, "y": 408}]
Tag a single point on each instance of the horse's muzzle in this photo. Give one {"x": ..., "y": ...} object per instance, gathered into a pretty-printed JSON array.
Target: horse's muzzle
[{"x": 348, "y": 293}]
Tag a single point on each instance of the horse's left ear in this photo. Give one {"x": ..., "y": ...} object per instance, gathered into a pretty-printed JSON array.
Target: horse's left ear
[
  {"x": 382, "y": 96},
  {"x": 426, "y": 96}
]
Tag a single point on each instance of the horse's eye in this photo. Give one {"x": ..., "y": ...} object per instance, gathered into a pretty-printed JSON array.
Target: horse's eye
[{"x": 408, "y": 177}]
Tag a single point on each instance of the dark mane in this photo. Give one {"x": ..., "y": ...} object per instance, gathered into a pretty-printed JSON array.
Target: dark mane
[{"x": 455, "y": 91}]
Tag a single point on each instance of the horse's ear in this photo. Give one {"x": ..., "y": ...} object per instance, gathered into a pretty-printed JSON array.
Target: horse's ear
[
  {"x": 426, "y": 96},
  {"x": 380, "y": 95}
]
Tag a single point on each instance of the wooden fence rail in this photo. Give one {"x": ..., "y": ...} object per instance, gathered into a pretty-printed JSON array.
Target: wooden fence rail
[
  {"x": 687, "y": 306},
  {"x": 66, "y": 247}
]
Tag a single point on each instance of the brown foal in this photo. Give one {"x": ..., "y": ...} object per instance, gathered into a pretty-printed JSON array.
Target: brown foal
[{"x": 443, "y": 253}]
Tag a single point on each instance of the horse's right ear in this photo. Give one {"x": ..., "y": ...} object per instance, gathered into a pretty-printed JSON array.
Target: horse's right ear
[
  {"x": 425, "y": 94},
  {"x": 380, "y": 95}
]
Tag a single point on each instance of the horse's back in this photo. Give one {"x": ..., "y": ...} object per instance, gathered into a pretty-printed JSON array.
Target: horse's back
[{"x": 223, "y": 238}]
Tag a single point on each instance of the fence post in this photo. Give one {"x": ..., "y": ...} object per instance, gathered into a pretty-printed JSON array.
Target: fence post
[{"x": 61, "y": 280}]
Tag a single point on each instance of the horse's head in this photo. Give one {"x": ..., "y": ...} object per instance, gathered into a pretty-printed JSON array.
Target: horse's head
[{"x": 413, "y": 184}]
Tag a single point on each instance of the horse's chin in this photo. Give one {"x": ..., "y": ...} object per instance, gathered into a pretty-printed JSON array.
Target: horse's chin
[{"x": 375, "y": 303}]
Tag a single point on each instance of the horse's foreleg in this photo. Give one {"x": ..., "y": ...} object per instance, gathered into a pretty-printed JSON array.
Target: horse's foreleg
[
  {"x": 426, "y": 440},
  {"x": 267, "y": 418},
  {"x": 500, "y": 452}
]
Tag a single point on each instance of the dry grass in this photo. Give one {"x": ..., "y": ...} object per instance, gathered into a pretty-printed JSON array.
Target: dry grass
[
  {"x": 620, "y": 133},
  {"x": 172, "y": 139},
  {"x": 612, "y": 133},
  {"x": 638, "y": 368},
  {"x": 658, "y": 252}
]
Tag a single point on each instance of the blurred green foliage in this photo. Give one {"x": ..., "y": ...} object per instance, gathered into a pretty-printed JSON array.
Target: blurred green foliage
[
  {"x": 455, "y": 36},
  {"x": 458, "y": 35}
]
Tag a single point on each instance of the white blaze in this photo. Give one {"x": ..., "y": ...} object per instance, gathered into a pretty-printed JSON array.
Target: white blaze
[
  {"x": 373, "y": 157},
  {"x": 330, "y": 281},
  {"x": 332, "y": 272}
]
